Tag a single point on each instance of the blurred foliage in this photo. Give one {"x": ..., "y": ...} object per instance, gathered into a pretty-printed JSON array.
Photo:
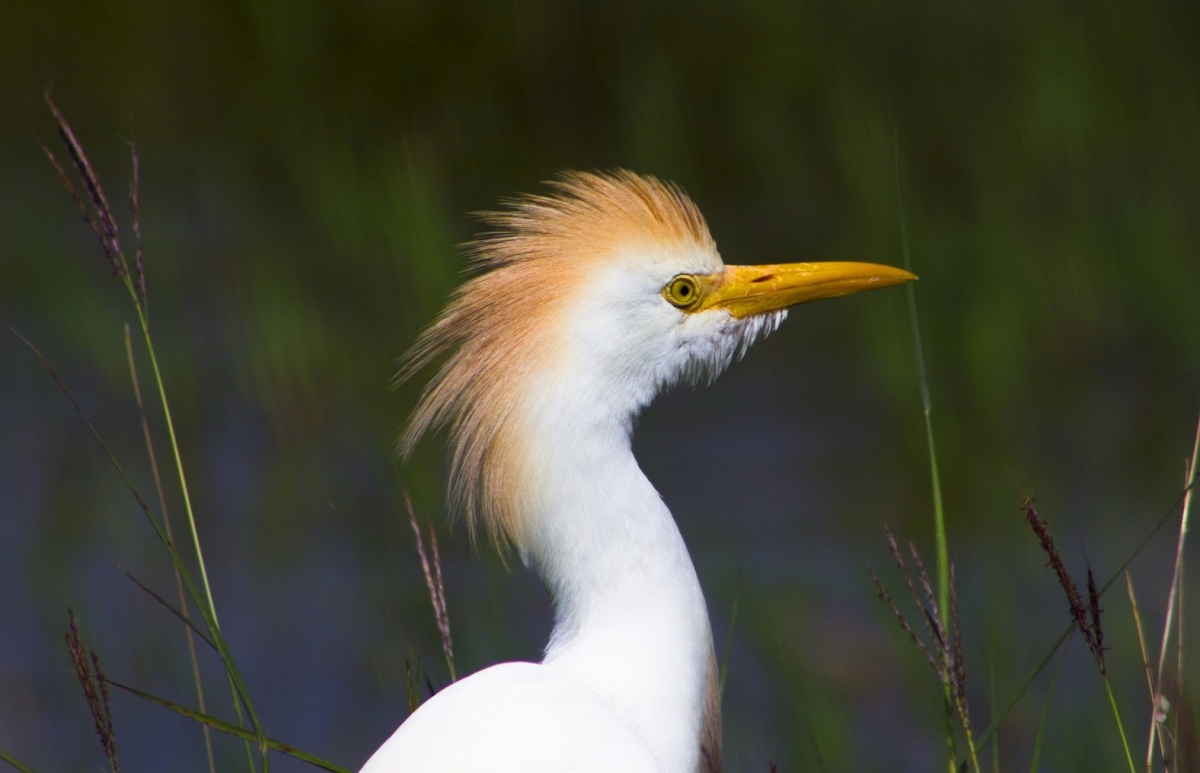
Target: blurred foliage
[{"x": 306, "y": 170}]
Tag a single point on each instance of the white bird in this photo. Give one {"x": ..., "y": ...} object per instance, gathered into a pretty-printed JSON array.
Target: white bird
[{"x": 592, "y": 300}]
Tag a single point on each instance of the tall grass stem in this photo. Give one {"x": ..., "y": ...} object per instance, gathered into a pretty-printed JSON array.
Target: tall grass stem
[
  {"x": 939, "y": 519},
  {"x": 1174, "y": 597},
  {"x": 1112, "y": 701},
  {"x": 162, "y": 503},
  {"x": 99, "y": 216}
]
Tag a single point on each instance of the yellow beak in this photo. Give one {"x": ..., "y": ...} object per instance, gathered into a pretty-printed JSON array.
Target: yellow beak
[{"x": 748, "y": 290}]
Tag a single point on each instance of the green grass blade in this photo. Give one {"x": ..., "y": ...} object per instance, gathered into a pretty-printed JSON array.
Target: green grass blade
[
  {"x": 166, "y": 406},
  {"x": 99, "y": 216},
  {"x": 1112, "y": 701},
  {"x": 1041, "y": 728},
  {"x": 208, "y": 607},
  {"x": 939, "y": 518},
  {"x": 241, "y": 696},
  {"x": 167, "y": 605},
  {"x": 265, "y": 743},
  {"x": 986, "y": 735},
  {"x": 152, "y": 457},
  {"x": 14, "y": 762},
  {"x": 733, "y": 615}
]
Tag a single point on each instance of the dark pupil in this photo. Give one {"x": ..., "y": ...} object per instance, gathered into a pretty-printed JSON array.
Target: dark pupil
[{"x": 684, "y": 290}]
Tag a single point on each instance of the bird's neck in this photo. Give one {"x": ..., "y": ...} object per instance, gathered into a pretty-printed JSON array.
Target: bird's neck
[{"x": 630, "y": 618}]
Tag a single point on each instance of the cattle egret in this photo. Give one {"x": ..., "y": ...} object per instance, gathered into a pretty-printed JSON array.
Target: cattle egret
[{"x": 590, "y": 301}]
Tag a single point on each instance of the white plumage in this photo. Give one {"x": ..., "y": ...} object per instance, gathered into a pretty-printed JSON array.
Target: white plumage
[{"x": 592, "y": 300}]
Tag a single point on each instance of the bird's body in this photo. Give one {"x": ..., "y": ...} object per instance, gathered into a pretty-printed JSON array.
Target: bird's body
[
  {"x": 595, "y": 299},
  {"x": 557, "y": 720}
]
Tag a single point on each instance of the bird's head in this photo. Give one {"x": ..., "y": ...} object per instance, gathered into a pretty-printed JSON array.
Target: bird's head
[{"x": 590, "y": 301}]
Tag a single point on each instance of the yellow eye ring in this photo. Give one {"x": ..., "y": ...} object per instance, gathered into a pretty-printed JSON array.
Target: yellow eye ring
[{"x": 682, "y": 292}]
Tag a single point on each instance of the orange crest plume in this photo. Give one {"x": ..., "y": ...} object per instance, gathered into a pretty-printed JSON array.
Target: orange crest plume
[{"x": 498, "y": 327}]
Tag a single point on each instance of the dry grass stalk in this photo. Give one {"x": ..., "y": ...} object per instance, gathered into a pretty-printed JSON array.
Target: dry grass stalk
[
  {"x": 949, "y": 665},
  {"x": 95, "y": 689},
  {"x": 96, "y": 210},
  {"x": 959, "y": 680},
  {"x": 135, "y": 207},
  {"x": 433, "y": 581},
  {"x": 902, "y": 621},
  {"x": 1086, "y": 617},
  {"x": 414, "y": 700},
  {"x": 1158, "y": 716},
  {"x": 1094, "y": 611},
  {"x": 1161, "y": 704}
]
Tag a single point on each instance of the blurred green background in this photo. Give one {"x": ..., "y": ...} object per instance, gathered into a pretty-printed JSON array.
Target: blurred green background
[{"x": 306, "y": 170}]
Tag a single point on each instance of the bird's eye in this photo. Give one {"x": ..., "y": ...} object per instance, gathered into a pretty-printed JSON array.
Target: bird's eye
[{"x": 682, "y": 292}]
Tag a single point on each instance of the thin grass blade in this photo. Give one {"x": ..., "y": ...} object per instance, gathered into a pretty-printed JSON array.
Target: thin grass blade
[
  {"x": 221, "y": 725},
  {"x": 158, "y": 486},
  {"x": 168, "y": 606},
  {"x": 241, "y": 695},
  {"x": 14, "y": 763}
]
